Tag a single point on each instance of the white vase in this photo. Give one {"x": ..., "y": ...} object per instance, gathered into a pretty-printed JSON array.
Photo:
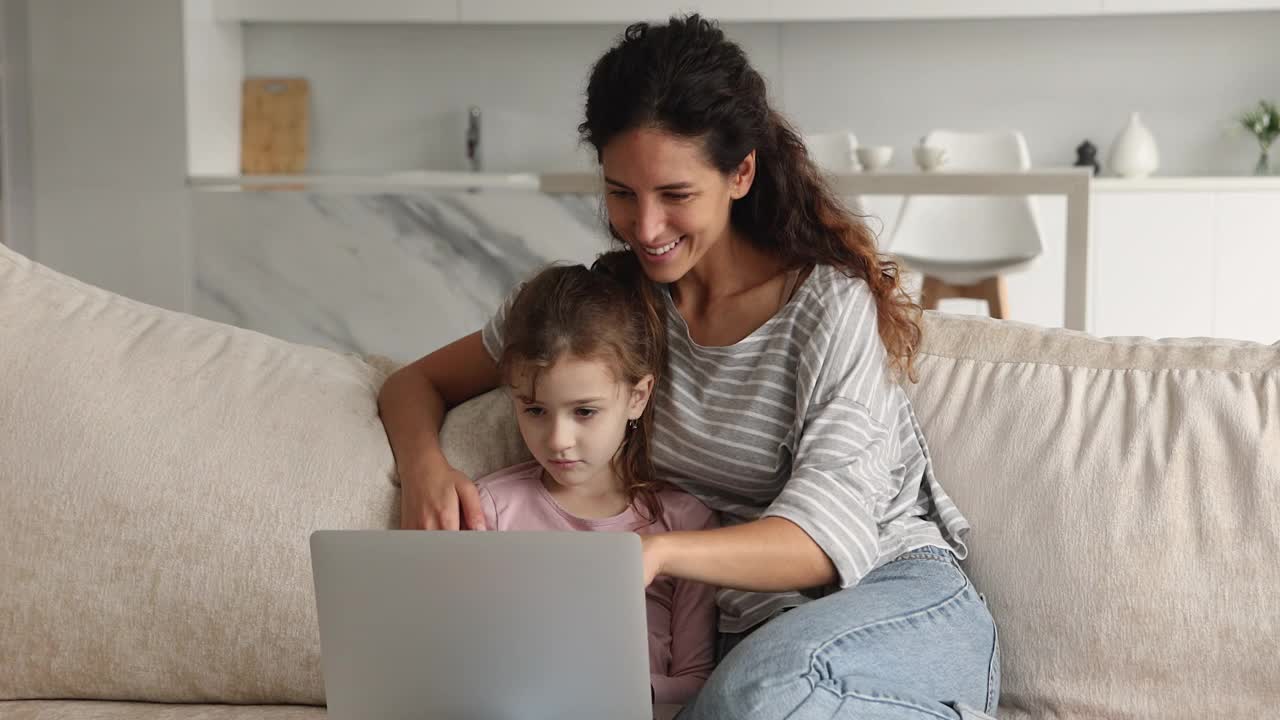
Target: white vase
[{"x": 1134, "y": 153}]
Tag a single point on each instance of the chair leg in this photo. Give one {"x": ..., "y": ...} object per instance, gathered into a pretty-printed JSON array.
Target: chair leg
[
  {"x": 993, "y": 290},
  {"x": 996, "y": 293},
  {"x": 932, "y": 290}
]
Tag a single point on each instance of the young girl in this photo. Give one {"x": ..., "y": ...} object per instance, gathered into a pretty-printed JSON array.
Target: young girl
[{"x": 579, "y": 361}]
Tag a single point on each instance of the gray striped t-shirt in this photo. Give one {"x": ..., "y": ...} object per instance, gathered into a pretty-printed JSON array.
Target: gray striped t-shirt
[{"x": 802, "y": 420}]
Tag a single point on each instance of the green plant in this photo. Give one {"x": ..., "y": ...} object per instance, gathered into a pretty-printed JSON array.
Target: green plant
[{"x": 1263, "y": 123}]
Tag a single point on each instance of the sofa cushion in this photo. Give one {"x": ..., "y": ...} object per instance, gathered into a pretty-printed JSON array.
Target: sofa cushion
[
  {"x": 1123, "y": 497},
  {"x": 95, "y": 710},
  {"x": 91, "y": 710},
  {"x": 161, "y": 475},
  {"x": 481, "y": 436}
]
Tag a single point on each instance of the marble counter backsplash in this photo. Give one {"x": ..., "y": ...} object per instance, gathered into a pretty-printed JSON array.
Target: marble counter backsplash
[{"x": 392, "y": 274}]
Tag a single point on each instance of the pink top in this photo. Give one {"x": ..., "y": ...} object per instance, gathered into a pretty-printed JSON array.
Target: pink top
[{"x": 681, "y": 613}]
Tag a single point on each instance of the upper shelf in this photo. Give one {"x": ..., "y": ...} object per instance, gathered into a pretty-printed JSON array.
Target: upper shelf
[
  {"x": 380, "y": 182},
  {"x": 1036, "y": 181},
  {"x": 617, "y": 11}
]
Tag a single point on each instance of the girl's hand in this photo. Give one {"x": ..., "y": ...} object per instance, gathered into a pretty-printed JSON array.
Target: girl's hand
[
  {"x": 439, "y": 499},
  {"x": 653, "y": 557}
]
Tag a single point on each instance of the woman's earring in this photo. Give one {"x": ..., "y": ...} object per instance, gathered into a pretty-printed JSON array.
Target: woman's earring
[{"x": 633, "y": 423}]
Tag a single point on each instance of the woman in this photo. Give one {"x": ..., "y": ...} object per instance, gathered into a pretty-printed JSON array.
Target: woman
[{"x": 780, "y": 407}]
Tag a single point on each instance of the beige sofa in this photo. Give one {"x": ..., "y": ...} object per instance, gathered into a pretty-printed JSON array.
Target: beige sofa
[{"x": 160, "y": 474}]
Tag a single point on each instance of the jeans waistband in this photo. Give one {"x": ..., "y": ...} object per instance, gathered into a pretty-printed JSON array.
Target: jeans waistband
[{"x": 930, "y": 552}]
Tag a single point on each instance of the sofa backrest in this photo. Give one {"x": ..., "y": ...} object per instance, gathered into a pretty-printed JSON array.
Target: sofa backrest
[
  {"x": 1123, "y": 497},
  {"x": 160, "y": 476},
  {"x": 1123, "y": 494}
]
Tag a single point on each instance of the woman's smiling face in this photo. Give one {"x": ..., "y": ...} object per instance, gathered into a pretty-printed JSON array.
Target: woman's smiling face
[{"x": 666, "y": 201}]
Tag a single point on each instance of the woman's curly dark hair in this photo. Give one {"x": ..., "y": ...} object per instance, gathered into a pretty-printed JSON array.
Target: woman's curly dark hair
[{"x": 687, "y": 79}]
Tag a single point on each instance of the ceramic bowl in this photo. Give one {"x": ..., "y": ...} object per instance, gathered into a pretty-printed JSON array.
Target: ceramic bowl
[
  {"x": 929, "y": 157},
  {"x": 875, "y": 157}
]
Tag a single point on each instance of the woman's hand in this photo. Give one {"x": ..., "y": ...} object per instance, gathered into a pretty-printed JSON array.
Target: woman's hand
[
  {"x": 650, "y": 547},
  {"x": 412, "y": 404},
  {"x": 441, "y": 498}
]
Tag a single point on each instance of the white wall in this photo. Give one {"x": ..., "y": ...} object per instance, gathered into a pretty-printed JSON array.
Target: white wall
[
  {"x": 393, "y": 97},
  {"x": 214, "y": 58},
  {"x": 16, "y": 183},
  {"x": 109, "y": 151},
  {"x": 1059, "y": 80}
]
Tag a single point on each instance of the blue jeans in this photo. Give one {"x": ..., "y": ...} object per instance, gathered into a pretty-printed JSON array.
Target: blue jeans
[{"x": 912, "y": 641}]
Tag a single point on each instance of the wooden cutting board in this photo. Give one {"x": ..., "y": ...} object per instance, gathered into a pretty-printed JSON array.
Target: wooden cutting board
[{"x": 275, "y": 122}]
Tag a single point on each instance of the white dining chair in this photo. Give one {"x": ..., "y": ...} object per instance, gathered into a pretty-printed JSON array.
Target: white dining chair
[
  {"x": 833, "y": 151},
  {"x": 963, "y": 246}
]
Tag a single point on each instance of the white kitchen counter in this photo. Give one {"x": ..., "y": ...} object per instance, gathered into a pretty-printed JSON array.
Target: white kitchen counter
[
  {"x": 1072, "y": 183},
  {"x": 1162, "y": 256},
  {"x": 409, "y": 180},
  {"x": 394, "y": 272},
  {"x": 587, "y": 182},
  {"x": 1244, "y": 183}
]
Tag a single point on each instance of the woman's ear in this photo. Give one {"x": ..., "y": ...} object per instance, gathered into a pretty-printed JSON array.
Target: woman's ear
[
  {"x": 742, "y": 177},
  {"x": 640, "y": 394}
]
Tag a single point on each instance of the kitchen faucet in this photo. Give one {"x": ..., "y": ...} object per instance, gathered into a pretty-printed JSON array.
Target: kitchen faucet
[{"x": 473, "y": 138}]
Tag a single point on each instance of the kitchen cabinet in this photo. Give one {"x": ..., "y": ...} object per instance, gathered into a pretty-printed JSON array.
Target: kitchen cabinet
[
  {"x": 337, "y": 11},
  {"x": 609, "y": 11},
  {"x": 1152, "y": 264},
  {"x": 1186, "y": 264},
  {"x": 1124, "y": 7},
  {"x": 617, "y": 11},
  {"x": 930, "y": 9},
  {"x": 1247, "y": 266}
]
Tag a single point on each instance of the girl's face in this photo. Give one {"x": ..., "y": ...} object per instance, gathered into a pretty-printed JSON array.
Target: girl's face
[
  {"x": 666, "y": 201},
  {"x": 577, "y": 419}
]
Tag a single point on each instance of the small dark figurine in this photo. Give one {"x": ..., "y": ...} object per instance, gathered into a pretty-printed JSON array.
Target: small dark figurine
[{"x": 1087, "y": 156}]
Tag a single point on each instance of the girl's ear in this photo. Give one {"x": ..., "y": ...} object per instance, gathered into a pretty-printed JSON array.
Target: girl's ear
[{"x": 640, "y": 394}]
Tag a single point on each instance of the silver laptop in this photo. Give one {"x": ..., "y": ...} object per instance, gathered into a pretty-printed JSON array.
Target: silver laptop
[{"x": 481, "y": 625}]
